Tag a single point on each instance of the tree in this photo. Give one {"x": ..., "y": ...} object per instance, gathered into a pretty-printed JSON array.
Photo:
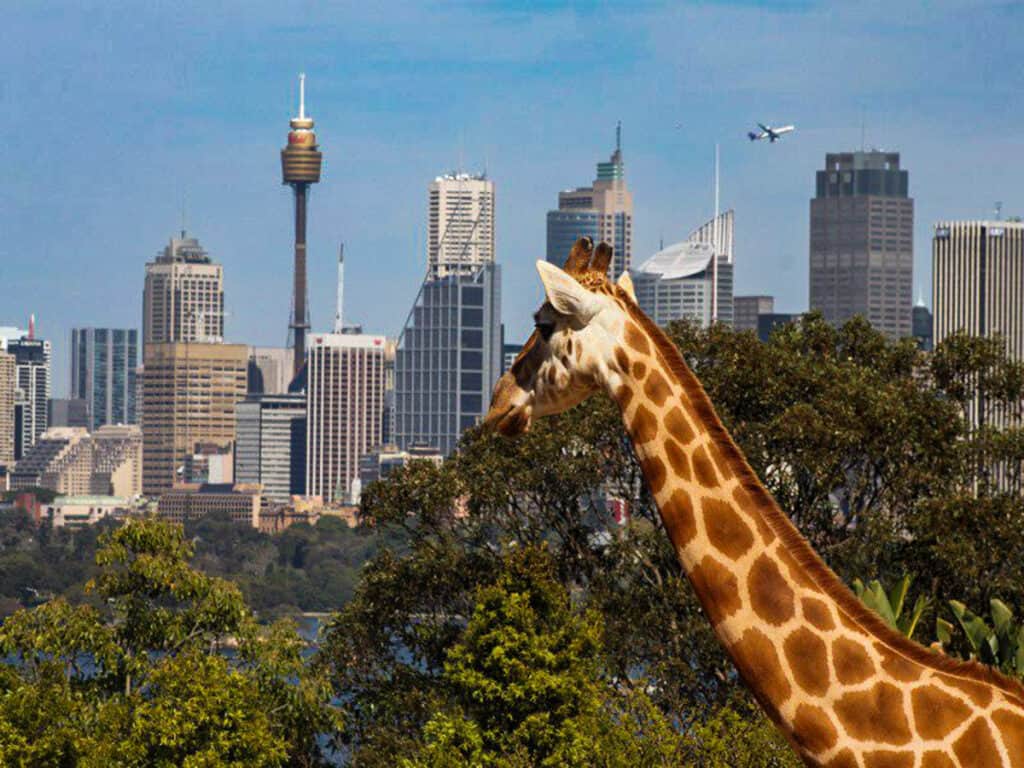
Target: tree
[
  {"x": 525, "y": 685},
  {"x": 145, "y": 681}
]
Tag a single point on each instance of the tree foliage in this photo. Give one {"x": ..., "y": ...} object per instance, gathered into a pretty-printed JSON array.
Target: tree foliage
[{"x": 141, "y": 683}]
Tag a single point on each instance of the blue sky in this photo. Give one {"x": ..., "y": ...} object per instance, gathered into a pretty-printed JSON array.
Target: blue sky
[{"x": 112, "y": 115}]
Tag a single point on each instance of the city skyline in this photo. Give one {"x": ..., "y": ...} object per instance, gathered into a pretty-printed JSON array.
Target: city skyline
[{"x": 203, "y": 126}]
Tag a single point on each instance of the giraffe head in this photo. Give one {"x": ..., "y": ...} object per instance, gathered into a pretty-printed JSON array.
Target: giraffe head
[{"x": 571, "y": 352}]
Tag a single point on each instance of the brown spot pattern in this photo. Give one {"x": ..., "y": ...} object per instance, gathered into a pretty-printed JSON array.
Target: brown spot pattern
[
  {"x": 758, "y": 664},
  {"x": 639, "y": 370},
  {"x": 770, "y": 595},
  {"x": 813, "y": 730},
  {"x": 889, "y": 759},
  {"x": 937, "y": 760},
  {"x": 645, "y": 426},
  {"x": 844, "y": 759},
  {"x": 980, "y": 693},
  {"x": 717, "y": 588},
  {"x": 852, "y": 662},
  {"x": 875, "y": 715},
  {"x": 624, "y": 395},
  {"x": 678, "y": 519},
  {"x": 654, "y": 471},
  {"x": 936, "y": 713},
  {"x": 679, "y": 427},
  {"x": 636, "y": 338},
  {"x": 657, "y": 389},
  {"x": 746, "y": 501},
  {"x": 622, "y": 359},
  {"x": 726, "y": 530},
  {"x": 678, "y": 459},
  {"x": 898, "y": 667},
  {"x": 816, "y": 612},
  {"x": 796, "y": 571},
  {"x": 702, "y": 468},
  {"x": 808, "y": 659},
  {"x": 1011, "y": 727},
  {"x": 976, "y": 747}
]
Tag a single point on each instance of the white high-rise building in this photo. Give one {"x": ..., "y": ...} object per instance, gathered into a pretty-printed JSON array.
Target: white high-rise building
[
  {"x": 32, "y": 385},
  {"x": 460, "y": 224},
  {"x": 344, "y": 410},
  {"x": 184, "y": 296}
]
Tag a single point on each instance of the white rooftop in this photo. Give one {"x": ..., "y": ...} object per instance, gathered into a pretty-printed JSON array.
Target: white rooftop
[{"x": 678, "y": 260}]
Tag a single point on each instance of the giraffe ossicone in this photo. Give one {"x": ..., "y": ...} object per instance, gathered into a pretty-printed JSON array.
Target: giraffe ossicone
[{"x": 845, "y": 689}]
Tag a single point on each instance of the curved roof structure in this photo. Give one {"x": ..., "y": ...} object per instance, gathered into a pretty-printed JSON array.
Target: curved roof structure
[{"x": 678, "y": 260}]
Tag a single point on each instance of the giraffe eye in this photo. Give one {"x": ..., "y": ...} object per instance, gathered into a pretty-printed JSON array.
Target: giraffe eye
[{"x": 543, "y": 325}]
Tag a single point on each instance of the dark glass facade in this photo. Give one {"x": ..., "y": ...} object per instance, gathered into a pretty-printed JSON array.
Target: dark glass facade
[
  {"x": 103, "y": 365},
  {"x": 448, "y": 359}
]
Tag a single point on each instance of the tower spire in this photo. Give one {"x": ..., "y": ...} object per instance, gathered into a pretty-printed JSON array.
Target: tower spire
[
  {"x": 302, "y": 96},
  {"x": 618, "y": 136},
  {"x": 339, "y": 317}
]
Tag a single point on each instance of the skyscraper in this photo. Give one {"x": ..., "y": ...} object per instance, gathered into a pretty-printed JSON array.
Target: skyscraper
[
  {"x": 189, "y": 393},
  {"x": 344, "y": 407},
  {"x": 602, "y": 211},
  {"x": 679, "y": 281},
  {"x": 978, "y": 281},
  {"x": 183, "y": 299},
  {"x": 103, "y": 363},
  {"x": 7, "y": 379},
  {"x": 460, "y": 224},
  {"x": 862, "y": 241},
  {"x": 270, "y": 444},
  {"x": 300, "y": 167},
  {"x": 31, "y": 389},
  {"x": 449, "y": 359},
  {"x": 448, "y": 356}
]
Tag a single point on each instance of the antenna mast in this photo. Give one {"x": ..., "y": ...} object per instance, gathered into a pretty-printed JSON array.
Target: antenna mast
[
  {"x": 714, "y": 249},
  {"x": 339, "y": 317}
]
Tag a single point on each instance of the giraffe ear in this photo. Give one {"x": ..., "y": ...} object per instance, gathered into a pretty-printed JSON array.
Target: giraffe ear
[
  {"x": 566, "y": 295},
  {"x": 625, "y": 282}
]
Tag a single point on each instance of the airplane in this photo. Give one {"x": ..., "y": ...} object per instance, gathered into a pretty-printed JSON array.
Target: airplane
[{"x": 772, "y": 134}]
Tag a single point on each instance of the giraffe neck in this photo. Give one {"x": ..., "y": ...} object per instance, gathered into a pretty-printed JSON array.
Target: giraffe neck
[{"x": 834, "y": 679}]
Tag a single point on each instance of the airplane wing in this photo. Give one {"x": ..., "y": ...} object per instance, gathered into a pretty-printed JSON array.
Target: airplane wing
[{"x": 764, "y": 127}]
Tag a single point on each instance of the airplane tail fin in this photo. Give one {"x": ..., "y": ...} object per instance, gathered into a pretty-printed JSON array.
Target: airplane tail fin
[{"x": 752, "y": 136}]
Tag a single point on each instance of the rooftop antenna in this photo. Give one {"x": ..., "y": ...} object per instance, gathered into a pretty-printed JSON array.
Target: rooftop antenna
[
  {"x": 302, "y": 96},
  {"x": 618, "y": 136},
  {"x": 184, "y": 200},
  {"x": 999, "y": 210},
  {"x": 339, "y": 317},
  {"x": 863, "y": 130},
  {"x": 714, "y": 249}
]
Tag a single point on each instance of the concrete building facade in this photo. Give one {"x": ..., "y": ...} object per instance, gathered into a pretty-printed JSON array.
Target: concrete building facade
[
  {"x": 602, "y": 211},
  {"x": 746, "y": 309},
  {"x": 7, "y": 383},
  {"x": 344, "y": 410},
  {"x": 103, "y": 363},
  {"x": 460, "y": 224},
  {"x": 270, "y": 444},
  {"x": 70, "y": 461},
  {"x": 183, "y": 299},
  {"x": 189, "y": 397},
  {"x": 189, "y": 501},
  {"x": 270, "y": 370},
  {"x": 862, "y": 241}
]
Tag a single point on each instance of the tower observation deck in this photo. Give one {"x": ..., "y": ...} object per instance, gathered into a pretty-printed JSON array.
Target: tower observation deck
[{"x": 300, "y": 167}]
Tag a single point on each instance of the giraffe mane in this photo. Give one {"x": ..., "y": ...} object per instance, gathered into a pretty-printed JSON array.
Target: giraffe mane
[{"x": 798, "y": 546}]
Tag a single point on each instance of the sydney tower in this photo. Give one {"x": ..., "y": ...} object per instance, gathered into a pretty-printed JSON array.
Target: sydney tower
[{"x": 300, "y": 167}]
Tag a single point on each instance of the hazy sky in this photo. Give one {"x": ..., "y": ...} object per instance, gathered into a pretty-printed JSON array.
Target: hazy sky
[{"x": 114, "y": 117}]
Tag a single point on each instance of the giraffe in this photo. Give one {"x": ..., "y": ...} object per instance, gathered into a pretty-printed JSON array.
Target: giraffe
[{"x": 845, "y": 689}]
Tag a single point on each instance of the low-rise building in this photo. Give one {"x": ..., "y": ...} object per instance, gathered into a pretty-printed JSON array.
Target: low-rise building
[
  {"x": 193, "y": 500},
  {"x": 72, "y": 462},
  {"x": 80, "y": 511}
]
